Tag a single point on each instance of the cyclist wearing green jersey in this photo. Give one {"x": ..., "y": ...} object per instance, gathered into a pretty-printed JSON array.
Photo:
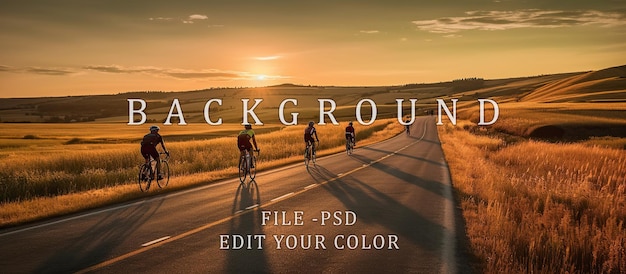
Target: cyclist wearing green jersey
[{"x": 243, "y": 140}]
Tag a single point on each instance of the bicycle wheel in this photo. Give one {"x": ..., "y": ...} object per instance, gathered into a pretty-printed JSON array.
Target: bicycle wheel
[
  {"x": 348, "y": 148},
  {"x": 165, "y": 172},
  {"x": 144, "y": 177},
  {"x": 243, "y": 170},
  {"x": 252, "y": 166},
  {"x": 306, "y": 157}
]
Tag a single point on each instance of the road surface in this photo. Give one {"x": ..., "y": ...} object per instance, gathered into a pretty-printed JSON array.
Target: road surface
[{"x": 388, "y": 207}]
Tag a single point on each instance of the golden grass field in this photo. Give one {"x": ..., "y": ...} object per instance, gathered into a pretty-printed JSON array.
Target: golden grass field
[
  {"x": 540, "y": 207},
  {"x": 47, "y": 176},
  {"x": 543, "y": 190}
]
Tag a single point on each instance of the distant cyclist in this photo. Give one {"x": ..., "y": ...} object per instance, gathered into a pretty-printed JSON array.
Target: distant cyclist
[
  {"x": 148, "y": 148},
  {"x": 309, "y": 132},
  {"x": 350, "y": 134},
  {"x": 407, "y": 127},
  {"x": 243, "y": 141}
]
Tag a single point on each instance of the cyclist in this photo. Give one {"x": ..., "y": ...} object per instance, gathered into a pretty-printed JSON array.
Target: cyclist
[
  {"x": 407, "y": 127},
  {"x": 243, "y": 141},
  {"x": 350, "y": 134},
  {"x": 309, "y": 132},
  {"x": 148, "y": 148}
]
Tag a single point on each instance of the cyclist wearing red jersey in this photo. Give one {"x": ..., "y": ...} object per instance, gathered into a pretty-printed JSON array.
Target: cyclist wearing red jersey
[
  {"x": 243, "y": 140},
  {"x": 148, "y": 147},
  {"x": 350, "y": 134},
  {"x": 309, "y": 132}
]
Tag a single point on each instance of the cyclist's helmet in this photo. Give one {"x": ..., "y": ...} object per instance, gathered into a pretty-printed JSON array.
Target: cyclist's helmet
[
  {"x": 247, "y": 126},
  {"x": 311, "y": 123},
  {"x": 350, "y": 123},
  {"x": 154, "y": 128}
]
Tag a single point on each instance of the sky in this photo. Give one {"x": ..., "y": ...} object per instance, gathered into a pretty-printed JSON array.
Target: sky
[{"x": 84, "y": 47}]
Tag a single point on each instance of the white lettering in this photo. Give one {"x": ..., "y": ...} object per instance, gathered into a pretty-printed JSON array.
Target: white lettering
[
  {"x": 179, "y": 114},
  {"x": 281, "y": 113},
  {"x": 374, "y": 112},
  {"x": 250, "y": 111},
  {"x": 132, "y": 111},
  {"x": 206, "y": 112},
  {"x": 333, "y": 106},
  {"x": 401, "y": 113},
  {"x": 496, "y": 112},
  {"x": 442, "y": 105}
]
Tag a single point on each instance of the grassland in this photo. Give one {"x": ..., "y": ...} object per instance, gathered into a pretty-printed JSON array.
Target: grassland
[
  {"x": 539, "y": 207},
  {"x": 50, "y": 174},
  {"x": 544, "y": 189}
]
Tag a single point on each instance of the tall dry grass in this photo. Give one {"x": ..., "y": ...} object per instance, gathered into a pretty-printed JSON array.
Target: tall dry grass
[
  {"x": 29, "y": 173},
  {"x": 535, "y": 207}
]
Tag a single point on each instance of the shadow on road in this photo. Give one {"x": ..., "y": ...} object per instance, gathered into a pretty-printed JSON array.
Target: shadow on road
[
  {"x": 374, "y": 206},
  {"x": 97, "y": 243},
  {"x": 421, "y": 159},
  {"x": 432, "y": 186},
  {"x": 246, "y": 260},
  {"x": 247, "y": 195},
  {"x": 321, "y": 174}
]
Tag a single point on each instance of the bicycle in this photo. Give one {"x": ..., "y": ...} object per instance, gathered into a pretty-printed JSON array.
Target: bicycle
[
  {"x": 147, "y": 170},
  {"x": 349, "y": 146},
  {"x": 408, "y": 130},
  {"x": 247, "y": 166},
  {"x": 309, "y": 154}
]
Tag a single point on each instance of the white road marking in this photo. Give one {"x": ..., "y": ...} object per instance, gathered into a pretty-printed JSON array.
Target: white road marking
[
  {"x": 190, "y": 190},
  {"x": 114, "y": 208},
  {"x": 156, "y": 241},
  {"x": 283, "y": 197},
  {"x": 239, "y": 213}
]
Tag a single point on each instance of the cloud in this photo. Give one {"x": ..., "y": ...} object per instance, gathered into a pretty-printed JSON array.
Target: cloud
[
  {"x": 160, "y": 19},
  {"x": 109, "y": 69},
  {"x": 369, "y": 31},
  {"x": 530, "y": 18},
  {"x": 266, "y": 58},
  {"x": 181, "y": 74},
  {"x": 37, "y": 70},
  {"x": 198, "y": 17},
  {"x": 191, "y": 18},
  {"x": 202, "y": 74},
  {"x": 47, "y": 71}
]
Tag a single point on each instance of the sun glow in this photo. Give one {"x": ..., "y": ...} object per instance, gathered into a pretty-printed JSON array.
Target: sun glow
[{"x": 261, "y": 77}]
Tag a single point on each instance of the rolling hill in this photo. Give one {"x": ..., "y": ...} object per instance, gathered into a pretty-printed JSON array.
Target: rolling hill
[{"x": 594, "y": 101}]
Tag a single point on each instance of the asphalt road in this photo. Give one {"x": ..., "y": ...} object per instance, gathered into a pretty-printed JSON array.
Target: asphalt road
[{"x": 388, "y": 207}]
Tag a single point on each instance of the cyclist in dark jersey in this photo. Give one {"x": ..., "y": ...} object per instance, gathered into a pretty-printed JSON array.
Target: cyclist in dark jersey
[
  {"x": 148, "y": 147},
  {"x": 350, "y": 134},
  {"x": 243, "y": 140},
  {"x": 309, "y": 132},
  {"x": 407, "y": 127}
]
